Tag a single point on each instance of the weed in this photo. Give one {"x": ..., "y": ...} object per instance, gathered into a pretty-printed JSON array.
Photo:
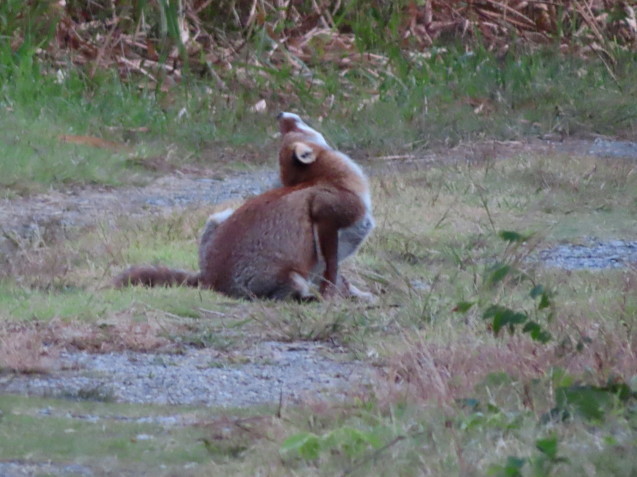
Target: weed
[
  {"x": 294, "y": 322},
  {"x": 546, "y": 463},
  {"x": 23, "y": 349}
]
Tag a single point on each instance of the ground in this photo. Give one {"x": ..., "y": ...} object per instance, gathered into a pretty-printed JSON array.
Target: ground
[{"x": 288, "y": 355}]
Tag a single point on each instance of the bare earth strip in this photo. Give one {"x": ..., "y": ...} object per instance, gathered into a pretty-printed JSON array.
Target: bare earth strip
[{"x": 51, "y": 214}]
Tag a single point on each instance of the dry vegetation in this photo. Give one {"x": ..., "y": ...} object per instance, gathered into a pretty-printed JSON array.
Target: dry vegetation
[{"x": 159, "y": 41}]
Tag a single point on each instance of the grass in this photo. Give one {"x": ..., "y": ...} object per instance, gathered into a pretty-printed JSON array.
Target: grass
[
  {"x": 450, "y": 397},
  {"x": 118, "y": 438}
]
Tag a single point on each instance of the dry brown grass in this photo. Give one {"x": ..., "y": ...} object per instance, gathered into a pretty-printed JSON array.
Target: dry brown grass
[
  {"x": 23, "y": 349},
  {"x": 35, "y": 346},
  {"x": 118, "y": 333},
  {"x": 212, "y": 39},
  {"x": 421, "y": 370}
]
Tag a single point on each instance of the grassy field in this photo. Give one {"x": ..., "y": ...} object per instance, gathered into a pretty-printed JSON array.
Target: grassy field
[
  {"x": 487, "y": 362},
  {"x": 450, "y": 396}
]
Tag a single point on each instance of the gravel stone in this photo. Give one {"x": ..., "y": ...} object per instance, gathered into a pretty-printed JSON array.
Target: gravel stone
[{"x": 28, "y": 469}]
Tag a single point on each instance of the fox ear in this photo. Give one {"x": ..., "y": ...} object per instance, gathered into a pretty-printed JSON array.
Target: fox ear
[{"x": 303, "y": 153}]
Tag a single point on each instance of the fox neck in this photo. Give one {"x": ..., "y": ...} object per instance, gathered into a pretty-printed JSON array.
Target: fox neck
[{"x": 354, "y": 178}]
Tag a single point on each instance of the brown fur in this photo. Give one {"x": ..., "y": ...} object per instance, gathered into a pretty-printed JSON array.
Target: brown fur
[{"x": 271, "y": 245}]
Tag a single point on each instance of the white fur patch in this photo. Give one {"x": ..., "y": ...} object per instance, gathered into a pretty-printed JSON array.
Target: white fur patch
[
  {"x": 222, "y": 216},
  {"x": 304, "y": 128},
  {"x": 301, "y": 285}
]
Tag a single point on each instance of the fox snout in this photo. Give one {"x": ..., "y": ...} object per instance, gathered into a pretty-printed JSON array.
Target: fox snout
[{"x": 290, "y": 122}]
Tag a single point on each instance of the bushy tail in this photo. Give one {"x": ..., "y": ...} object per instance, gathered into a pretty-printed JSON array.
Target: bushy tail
[{"x": 155, "y": 276}]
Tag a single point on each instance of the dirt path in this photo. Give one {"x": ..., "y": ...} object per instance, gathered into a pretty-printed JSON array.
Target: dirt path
[{"x": 52, "y": 213}]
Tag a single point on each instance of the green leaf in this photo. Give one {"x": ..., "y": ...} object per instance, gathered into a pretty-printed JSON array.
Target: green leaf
[
  {"x": 498, "y": 272},
  {"x": 590, "y": 402},
  {"x": 471, "y": 403},
  {"x": 545, "y": 296},
  {"x": 351, "y": 441},
  {"x": 537, "y": 332},
  {"x": 511, "y": 236},
  {"x": 512, "y": 468},
  {"x": 463, "y": 306},
  {"x": 306, "y": 444},
  {"x": 503, "y": 316},
  {"x": 536, "y": 291},
  {"x": 620, "y": 389},
  {"x": 545, "y": 301},
  {"x": 548, "y": 446}
]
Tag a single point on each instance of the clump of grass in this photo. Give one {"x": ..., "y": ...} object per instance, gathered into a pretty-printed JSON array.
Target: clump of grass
[
  {"x": 23, "y": 349},
  {"x": 303, "y": 322}
]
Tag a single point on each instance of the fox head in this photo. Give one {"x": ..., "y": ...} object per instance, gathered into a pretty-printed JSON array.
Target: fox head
[
  {"x": 305, "y": 157},
  {"x": 304, "y": 161}
]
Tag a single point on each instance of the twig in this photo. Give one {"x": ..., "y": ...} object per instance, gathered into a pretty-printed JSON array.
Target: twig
[
  {"x": 279, "y": 410},
  {"x": 394, "y": 157}
]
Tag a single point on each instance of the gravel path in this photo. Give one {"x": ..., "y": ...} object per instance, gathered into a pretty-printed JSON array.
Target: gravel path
[
  {"x": 592, "y": 255},
  {"x": 29, "y": 469},
  {"x": 53, "y": 214},
  {"x": 268, "y": 372},
  {"x": 50, "y": 215}
]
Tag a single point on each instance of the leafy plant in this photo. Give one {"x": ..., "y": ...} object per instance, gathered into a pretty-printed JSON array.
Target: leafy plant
[
  {"x": 541, "y": 465},
  {"x": 346, "y": 440},
  {"x": 591, "y": 402},
  {"x": 506, "y": 318}
]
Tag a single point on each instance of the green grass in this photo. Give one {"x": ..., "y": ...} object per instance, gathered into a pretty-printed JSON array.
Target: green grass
[
  {"x": 106, "y": 437},
  {"x": 33, "y": 155}
]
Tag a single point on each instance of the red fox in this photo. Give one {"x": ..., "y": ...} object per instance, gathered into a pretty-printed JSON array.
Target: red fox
[{"x": 277, "y": 243}]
